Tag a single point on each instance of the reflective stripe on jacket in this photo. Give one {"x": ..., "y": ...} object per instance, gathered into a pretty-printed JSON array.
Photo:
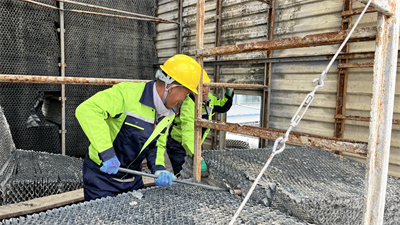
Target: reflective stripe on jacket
[
  {"x": 119, "y": 120},
  {"x": 183, "y": 126}
]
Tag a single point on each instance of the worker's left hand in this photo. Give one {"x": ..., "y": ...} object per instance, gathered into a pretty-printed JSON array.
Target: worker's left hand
[
  {"x": 229, "y": 90},
  {"x": 165, "y": 178}
]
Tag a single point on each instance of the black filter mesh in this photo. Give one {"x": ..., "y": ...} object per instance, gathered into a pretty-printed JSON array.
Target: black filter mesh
[
  {"x": 95, "y": 46},
  {"x": 29, "y": 46},
  {"x": 311, "y": 184},
  {"x": 105, "y": 47},
  {"x": 177, "y": 204}
]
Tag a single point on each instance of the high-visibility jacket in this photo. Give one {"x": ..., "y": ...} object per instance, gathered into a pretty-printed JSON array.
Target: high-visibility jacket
[
  {"x": 183, "y": 125},
  {"x": 118, "y": 122}
]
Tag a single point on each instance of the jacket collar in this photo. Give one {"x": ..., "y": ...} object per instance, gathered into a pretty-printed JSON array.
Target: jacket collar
[{"x": 147, "y": 95}]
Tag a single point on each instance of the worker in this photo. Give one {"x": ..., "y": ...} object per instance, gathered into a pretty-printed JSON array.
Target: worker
[
  {"x": 181, "y": 141},
  {"x": 129, "y": 122}
]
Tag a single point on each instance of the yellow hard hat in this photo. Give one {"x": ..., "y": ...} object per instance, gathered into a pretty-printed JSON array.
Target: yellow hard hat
[
  {"x": 206, "y": 79},
  {"x": 183, "y": 69}
]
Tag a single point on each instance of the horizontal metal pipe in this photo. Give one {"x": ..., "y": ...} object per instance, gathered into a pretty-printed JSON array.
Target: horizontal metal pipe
[
  {"x": 359, "y": 65},
  {"x": 296, "y": 138},
  {"x": 360, "y": 118},
  {"x": 361, "y": 34},
  {"x": 154, "y": 19},
  {"x": 8, "y": 78},
  {"x": 357, "y": 12},
  {"x": 221, "y": 85},
  {"x": 115, "y": 10},
  {"x": 386, "y": 7}
]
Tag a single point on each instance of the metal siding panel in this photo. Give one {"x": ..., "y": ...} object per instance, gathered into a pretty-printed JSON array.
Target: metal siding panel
[{"x": 245, "y": 21}]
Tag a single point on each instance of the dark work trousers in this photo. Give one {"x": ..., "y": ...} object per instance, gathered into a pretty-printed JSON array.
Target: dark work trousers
[
  {"x": 176, "y": 154},
  {"x": 97, "y": 184}
]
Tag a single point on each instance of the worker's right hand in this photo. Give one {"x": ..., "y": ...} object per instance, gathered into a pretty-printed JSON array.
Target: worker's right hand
[
  {"x": 110, "y": 166},
  {"x": 164, "y": 178}
]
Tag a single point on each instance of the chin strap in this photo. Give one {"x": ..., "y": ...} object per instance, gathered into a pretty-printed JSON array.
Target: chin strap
[{"x": 167, "y": 80}]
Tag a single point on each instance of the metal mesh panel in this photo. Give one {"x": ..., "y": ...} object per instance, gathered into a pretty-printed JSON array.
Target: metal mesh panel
[
  {"x": 29, "y": 45},
  {"x": 309, "y": 183},
  {"x": 99, "y": 46},
  {"x": 178, "y": 204},
  {"x": 34, "y": 174},
  {"x": 95, "y": 46}
]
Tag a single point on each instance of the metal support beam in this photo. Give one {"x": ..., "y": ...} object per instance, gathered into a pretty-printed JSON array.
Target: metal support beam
[
  {"x": 63, "y": 131},
  {"x": 343, "y": 73},
  {"x": 199, "y": 98},
  {"x": 9, "y": 78},
  {"x": 360, "y": 34},
  {"x": 266, "y": 97},
  {"x": 386, "y": 7},
  {"x": 355, "y": 147},
  {"x": 382, "y": 104},
  {"x": 217, "y": 70}
]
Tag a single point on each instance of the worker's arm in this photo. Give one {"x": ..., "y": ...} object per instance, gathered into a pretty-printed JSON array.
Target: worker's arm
[
  {"x": 222, "y": 105},
  {"x": 92, "y": 115},
  {"x": 187, "y": 124}
]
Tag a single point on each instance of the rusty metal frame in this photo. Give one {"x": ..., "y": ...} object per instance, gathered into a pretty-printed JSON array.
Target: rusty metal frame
[
  {"x": 361, "y": 34},
  {"x": 266, "y": 97},
  {"x": 134, "y": 17},
  {"x": 199, "y": 98},
  {"x": 382, "y": 104},
  {"x": 217, "y": 70},
  {"x": 342, "y": 78},
  {"x": 356, "y": 147},
  {"x": 9, "y": 78}
]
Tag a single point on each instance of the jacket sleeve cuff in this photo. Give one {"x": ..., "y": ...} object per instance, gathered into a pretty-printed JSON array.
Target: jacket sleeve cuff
[
  {"x": 157, "y": 167},
  {"x": 229, "y": 96},
  {"x": 107, "y": 154}
]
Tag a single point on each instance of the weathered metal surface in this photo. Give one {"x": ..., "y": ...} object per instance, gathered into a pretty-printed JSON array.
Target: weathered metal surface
[
  {"x": 221, "y": 85},
  {"x": 294, "y": 137},
  {"x": 342, "y": 77},
  {"x": 351, "y": 12},
  {"x": 382, "y": 104},
  {"x": 8, "y": 78},
  {"x": 361, "y": 118},
  {"x": 387, "y": 7},
  {"x": 62, "y": 65},
  {"x": 136, "y": 17},
  {"x": 199, "y": 97},
  {"x": 361, "y": 34},
  {"x": 359, "y": 65},
  {"x": 117, "y": 11}
]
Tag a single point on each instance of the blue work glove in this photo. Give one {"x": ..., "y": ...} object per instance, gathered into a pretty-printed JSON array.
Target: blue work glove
[
  {"x": 165, "y": 178},
  {"x": 110, "y": 166}
]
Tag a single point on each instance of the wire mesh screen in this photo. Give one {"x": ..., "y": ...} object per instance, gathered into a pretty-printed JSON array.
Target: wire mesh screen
[
  {"x": 29, "y": 45},
  {"x": 95, "y": 46},
  {"x": 105, "y": 47}
]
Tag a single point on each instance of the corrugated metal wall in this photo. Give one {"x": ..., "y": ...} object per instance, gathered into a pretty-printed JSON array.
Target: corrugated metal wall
[{"x": 246, "y": 21}]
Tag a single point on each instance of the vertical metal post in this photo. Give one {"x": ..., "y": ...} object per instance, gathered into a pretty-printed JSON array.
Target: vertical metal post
[
  {"x": 217, "y": 67},
  {"x": 180, "y": 27},
  {"x": 199, "y": 98},
  {"x": 62, "y": 65},
  {"x": 380, "y": 129},
  {"x": 342, "y": 77},
  {"x": 266, "y": 98}
]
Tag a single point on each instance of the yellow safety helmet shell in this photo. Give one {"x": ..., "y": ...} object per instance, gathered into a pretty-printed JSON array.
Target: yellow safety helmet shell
[
  {"x": 183, "y": 69},
  {"x": 206, "y": 78}
]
